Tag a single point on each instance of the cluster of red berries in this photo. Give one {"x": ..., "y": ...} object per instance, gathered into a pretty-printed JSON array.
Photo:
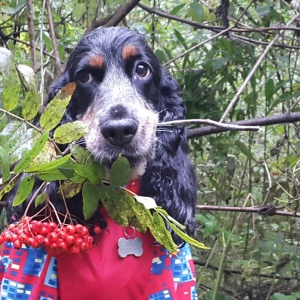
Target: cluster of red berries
[{"x": 55, "y": 238}]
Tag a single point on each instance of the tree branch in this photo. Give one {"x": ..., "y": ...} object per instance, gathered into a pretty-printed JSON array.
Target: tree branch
[
  {"x": 30, "y": 19},
  {"x": 268, "y": 210},
  {"x": 58, "y": 66},
  {"x": 122, "y": 12},
  {"x": 115, "y": 18},
  {"x": 210, "y": 122},
  {"x": 279, "y": 119}
]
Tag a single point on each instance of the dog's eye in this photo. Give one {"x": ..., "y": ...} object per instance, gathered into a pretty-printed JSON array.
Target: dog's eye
[
  {"x": 143, "y": 70},
  {"x": 84, "y": 77}
]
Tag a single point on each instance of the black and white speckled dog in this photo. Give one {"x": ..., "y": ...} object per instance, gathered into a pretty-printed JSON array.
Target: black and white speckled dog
[{"x": 122, "y": 92}]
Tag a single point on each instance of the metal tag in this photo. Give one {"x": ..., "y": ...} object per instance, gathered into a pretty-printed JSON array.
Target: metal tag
[{"x": 130, "y": 247}]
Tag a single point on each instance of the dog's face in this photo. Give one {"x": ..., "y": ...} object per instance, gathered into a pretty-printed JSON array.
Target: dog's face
[{"x": 117, "y": 80}]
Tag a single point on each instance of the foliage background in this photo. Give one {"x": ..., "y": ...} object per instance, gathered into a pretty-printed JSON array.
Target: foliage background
[{"x": 210, "y": 47}]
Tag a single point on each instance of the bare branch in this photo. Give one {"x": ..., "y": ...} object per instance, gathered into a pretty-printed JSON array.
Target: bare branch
[
  {"x": 58, "y": 66},
  {"x": 122, "y": 12},
  {"x": 279, "y": 119},
  {"x": 210, "y": 122},
  {"x": 265, "y": 210},
  {"x": 115, "y": 18}
]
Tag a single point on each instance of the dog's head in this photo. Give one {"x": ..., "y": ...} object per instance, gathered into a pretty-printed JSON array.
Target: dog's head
[{"x": 118, "y": 88}]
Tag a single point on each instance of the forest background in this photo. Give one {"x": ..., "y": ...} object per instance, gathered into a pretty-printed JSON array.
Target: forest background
[{"x": 237, "y": 62}]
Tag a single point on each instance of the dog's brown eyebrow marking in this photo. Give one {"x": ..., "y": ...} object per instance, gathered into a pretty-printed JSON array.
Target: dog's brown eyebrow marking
[
  {"x": 129, "y": 52},
  {"x": 97, "y": 61}
]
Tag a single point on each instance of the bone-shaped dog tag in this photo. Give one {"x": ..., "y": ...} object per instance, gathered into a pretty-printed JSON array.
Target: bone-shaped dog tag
[{"x": 130, "y": 247}]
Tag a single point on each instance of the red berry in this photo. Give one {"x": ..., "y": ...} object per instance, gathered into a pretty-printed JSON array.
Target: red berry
[
  {"x": 44, "y": 231},
  {"x": 30, "y": 241},
  {"x": 46, "y": 242},
  {"x": 14, "y": 237},
  {"x": 7, "y": 236},
  {"x": 52, "y": 226},
  {"x": 17, "y": 244},
  {"x": 84, "y": 231},
  {"x": 83, "y": 246},
  {"x": 70, "y": 240},
  {"x": 62, "y": 246},
  {"x": 90, "y": 239},
  {"x": 23, "y": 238},
  {"x": 78, "y": 241},
  {"x": 97, "y": 229},
  {"x": 62, "y": 235},
  {"x": 70, "y": 229},
  {"x": 53, "y": 237},
  {"x": 78, "y": 228},
  {"x": 39, "y": 239}
]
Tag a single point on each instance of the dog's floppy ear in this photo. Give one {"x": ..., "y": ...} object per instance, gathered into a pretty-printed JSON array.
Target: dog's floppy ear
[
  {"x": 171, "y": 107},
  {"x": 170, "y": 178},
  {"x": 57, "y": 85}
]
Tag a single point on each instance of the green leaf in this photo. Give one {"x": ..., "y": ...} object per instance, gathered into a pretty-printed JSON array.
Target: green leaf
[
  {"x": 180, "y": 38},
  {"x": 245, "y": 150},
  {"x": 49, "y": 165},
  {"x": 3, "y": 121},
  {"x": 24, "y": 190},
  {"x": 31, "y": 104},
  {"x": 69, "y": 189},
  {"x": 9, "y": 186},
  {"x": 38, "y": 146},
  {"x": 55, "y": 174},
  {"x": 91, "y": 196},
  {"x": 24, "y": 144},
  {"x": 10, "y": 95},
  {"x": 269, "y": 90},
  {"x": 176, "y": 9},
  {"x": 70, "y": 132},
  {"x": 40, "y": 199},
  {"x": 187, "y": 238},
  {"x": 53, "y": 113},
  {"x": 91, "y": 170},
  {"x": 4, "y": 165},
  {"x": 80, "y": 154},
  {"x": 120, "y": 172},
  {"x": 12, "y": 134},
  {"x": 161, "y": 234},
  {"x": 196, "y": 12}
]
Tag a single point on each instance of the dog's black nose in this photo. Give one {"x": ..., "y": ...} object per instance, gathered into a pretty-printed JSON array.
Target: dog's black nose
[{"x": 119, "y": 132}]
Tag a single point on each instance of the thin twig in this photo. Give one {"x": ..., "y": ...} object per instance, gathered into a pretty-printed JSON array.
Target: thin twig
[
  {"x": 209, "y": 122},
  {"x": 265, "y": 121},
  {"x": 257, "y": 210},
  {"x": 197, "y": 46},
  {"x": 58, "y": 66}
]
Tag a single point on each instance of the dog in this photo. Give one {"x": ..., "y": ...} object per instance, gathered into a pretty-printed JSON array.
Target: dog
[{"x": 122, "y": 93}]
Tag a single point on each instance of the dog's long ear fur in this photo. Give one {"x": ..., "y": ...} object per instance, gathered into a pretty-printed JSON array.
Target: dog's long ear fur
[{"x": 170, "y": 177}]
